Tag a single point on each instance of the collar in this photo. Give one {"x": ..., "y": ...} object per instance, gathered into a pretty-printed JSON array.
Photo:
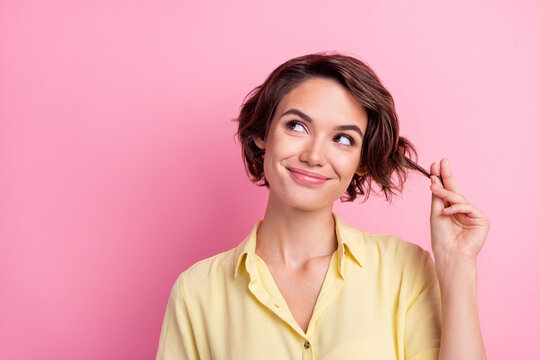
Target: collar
[{"x": 347, "y": 244}]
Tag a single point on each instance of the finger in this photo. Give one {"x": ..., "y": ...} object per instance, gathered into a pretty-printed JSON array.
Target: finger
[
  {"x": 463, "y": 208},
  {"x": 434, "y": 170},
  {"x": 441, "y": 186},
  {"x": 447, "y": 195},
  {"x": 437, "y": 203},
  {"x": 448, "y": 179}
]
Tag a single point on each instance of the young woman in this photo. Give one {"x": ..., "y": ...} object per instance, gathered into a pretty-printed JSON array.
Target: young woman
[{"x": 305, "y": 285}]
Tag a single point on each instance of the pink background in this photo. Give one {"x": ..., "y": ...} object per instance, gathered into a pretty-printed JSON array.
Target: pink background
[{"x": 118, "y": 166}]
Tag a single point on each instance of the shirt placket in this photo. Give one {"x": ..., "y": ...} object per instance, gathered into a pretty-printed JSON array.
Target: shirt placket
[
  {"x": 331, "y": 288},
  {"x": 265, "y": 297}
]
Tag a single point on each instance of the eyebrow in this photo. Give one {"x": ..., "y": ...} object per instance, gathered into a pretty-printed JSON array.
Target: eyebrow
[{"x": 309, "y": 120}]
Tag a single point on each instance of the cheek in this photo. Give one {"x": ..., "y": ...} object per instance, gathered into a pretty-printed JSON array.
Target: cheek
[
  {"x": 348, "y": 163},
  {"x": 276, "y": 150},
  {"x": 283, "y": 147}
]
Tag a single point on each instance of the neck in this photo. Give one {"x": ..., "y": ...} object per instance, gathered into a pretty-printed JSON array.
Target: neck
[{"x": 291, "y": 237}]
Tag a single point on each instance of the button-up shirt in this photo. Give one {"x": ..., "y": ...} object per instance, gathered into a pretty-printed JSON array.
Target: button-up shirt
[{"x": 380, "y": 299}]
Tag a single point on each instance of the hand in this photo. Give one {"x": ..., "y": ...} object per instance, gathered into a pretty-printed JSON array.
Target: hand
[{"x": 457, "y": 227}]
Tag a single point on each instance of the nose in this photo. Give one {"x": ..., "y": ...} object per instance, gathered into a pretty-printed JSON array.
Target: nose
[{"x": 314, "y": 152}]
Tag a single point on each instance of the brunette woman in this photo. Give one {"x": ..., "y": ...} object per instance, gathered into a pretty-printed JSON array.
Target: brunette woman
[{"x": 305, "y": 285}]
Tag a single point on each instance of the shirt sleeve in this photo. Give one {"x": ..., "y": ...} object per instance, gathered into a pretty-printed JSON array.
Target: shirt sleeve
[
  {"x": 423, "y": 318},
  {"x": 176, "y": 340}
]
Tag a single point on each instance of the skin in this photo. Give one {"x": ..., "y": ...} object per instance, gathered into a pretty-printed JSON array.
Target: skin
[
  {"x": 458, "y": 232},
  {"x": 298, "y": 225},
  {"x": 296, "y": 238}
]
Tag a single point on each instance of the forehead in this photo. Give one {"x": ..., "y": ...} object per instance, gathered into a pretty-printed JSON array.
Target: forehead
[{"x": 324, "y": 100}]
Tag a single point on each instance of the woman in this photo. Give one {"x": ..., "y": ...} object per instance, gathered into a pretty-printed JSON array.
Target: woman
[{"x": 305, "y": 285}]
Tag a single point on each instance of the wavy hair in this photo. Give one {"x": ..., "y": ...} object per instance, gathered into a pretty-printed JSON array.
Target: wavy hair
[{"x": 383, "y": 153}]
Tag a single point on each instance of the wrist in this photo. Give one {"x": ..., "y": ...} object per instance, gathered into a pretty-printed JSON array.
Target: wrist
[
  {"x": 447, "y": 259},
  {"x": 455, "y": 270}
]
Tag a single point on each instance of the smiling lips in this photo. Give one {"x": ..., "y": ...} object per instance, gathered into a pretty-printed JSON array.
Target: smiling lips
[{"x": 307, "y": 177}]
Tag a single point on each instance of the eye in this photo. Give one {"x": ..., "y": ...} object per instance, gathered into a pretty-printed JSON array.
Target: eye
[
  {"x": 348, "y": 138},
  {"x": 293, "y": 124}
]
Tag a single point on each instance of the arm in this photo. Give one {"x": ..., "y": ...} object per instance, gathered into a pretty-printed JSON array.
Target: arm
[
  {"x": 458, "y": 232},
  {"x": 177, "y": 340},
  {"x": 460, "y": 336}
]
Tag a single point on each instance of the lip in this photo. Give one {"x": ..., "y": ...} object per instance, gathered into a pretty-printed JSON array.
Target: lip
[
  {"x": 307, "y": 177},
  {"x": 308, "y": 173}
]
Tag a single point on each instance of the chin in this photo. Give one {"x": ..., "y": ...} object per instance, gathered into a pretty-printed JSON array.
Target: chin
[{"x": 306, "y": 203}]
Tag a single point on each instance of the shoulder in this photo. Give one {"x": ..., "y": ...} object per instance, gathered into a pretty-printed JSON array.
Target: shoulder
[
  {"x": 208, "y": 273},
  {"x": 392, "y": 246},
  {"x": 387, "y": 251},
  {"x": 399, "y": 264},
  {"x": 371, "y": 247}
]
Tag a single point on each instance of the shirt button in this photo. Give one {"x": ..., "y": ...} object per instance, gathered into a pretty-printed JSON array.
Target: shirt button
[{"x": 306, "y": 345}]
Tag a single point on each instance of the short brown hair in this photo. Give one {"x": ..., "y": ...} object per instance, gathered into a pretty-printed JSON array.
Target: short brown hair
[{"x": 383, "y": 151}]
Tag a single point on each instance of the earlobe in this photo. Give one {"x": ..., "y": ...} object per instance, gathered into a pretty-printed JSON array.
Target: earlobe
[{"x": 259, "y": 142}]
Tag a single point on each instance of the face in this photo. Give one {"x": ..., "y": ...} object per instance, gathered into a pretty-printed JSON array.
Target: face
[{"x": 318, "y": 128}]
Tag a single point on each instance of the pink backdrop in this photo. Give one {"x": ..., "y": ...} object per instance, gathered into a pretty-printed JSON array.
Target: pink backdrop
[{"x": 115, "y": 119}]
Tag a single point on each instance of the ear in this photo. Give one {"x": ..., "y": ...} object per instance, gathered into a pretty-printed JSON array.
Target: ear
[{"x": 259, "y": 142}]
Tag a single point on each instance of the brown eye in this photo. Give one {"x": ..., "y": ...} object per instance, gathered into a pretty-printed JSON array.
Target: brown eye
[
  {"x": 292, "y": 124},
  {"x": 349, "y": 139}
]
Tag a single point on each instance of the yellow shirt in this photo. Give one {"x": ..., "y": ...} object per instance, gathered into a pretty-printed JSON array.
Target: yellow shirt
[{"x": 380, "y": 299}]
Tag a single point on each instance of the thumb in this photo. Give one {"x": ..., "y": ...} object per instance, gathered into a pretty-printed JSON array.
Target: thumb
[{"x": 437, "y": 204}]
